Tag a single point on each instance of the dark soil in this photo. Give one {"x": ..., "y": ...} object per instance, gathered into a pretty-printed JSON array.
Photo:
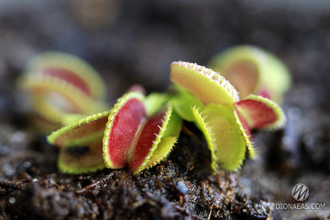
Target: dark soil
[
  {"x": 181, "y": 187},
  {"x": 137, "y": 45}
]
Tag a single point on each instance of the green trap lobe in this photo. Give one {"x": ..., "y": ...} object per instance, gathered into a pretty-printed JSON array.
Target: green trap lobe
[
  {"x": 172, "y": 126},
  {"x": 199, "y": 120},
  {"x": 246, "y": 133},
  {"x": 205, "y": 84},
  {"x": 183, "y": 101},
  {"x": 74, "y": 139},
  {"x": 82, "y": 132},
  {"x": 154, "y": 102},
  {"x": 230, "y": 144}
]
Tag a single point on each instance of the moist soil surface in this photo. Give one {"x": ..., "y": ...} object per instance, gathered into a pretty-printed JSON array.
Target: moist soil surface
[{"x": 136, "y": 45}]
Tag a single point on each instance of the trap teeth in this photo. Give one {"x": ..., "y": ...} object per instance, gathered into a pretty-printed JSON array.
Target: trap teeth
[
  {"x": 140, "y": 131},
  {"x": 205, "y": 84},
  {"x": 124, "y": 136},
  {"x": 260, "y": 113},
  {"x": 224, "y": 120}
]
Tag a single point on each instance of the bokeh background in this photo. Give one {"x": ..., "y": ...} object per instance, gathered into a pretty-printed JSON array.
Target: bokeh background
[
  {"x": 131, "y": 41},
  {"x": 135, "y": 41}
]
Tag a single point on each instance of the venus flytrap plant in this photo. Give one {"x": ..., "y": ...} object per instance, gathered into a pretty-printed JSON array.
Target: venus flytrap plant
[
  {"x": 135, "y": 139},
  {"x": 253, "y": 71},
  {"x": 125, "y": 136},
  {"x": 224, "y": 134},
  {"x": 224, "y": 120},
  {"x": 84, "y": 134},
  {"x": 70, "y": 69},
  {"x": 182, "y": 100},
  {"x": 140, "y": 131},
  {"x": 59, "y": 84},
  {"x": 65, "y": 89},
  {"x": 155, "y": 101}
]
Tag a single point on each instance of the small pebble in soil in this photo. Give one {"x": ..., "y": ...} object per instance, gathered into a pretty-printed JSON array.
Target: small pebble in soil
[{"x": 182, "y": 187}]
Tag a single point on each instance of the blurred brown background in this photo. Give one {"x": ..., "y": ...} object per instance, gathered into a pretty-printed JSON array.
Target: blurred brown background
[{"x": 135, "y": 41}]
